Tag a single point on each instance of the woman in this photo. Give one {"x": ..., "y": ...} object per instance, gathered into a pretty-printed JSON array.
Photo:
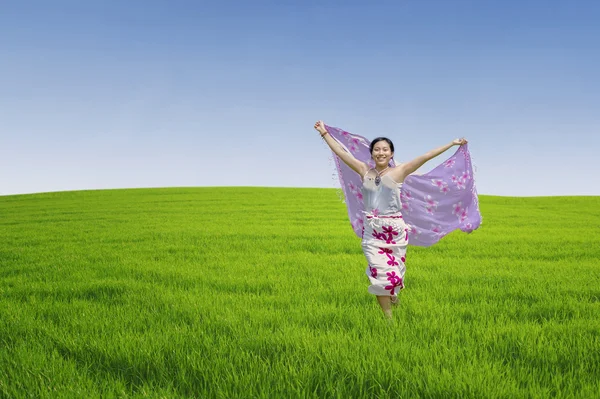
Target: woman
[{"x": 385, "y": 234}]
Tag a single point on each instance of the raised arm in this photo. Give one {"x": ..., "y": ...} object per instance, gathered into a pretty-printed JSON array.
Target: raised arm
[
  {"x": 358, "y": 166},
  {"x": 411, "y": 166}
]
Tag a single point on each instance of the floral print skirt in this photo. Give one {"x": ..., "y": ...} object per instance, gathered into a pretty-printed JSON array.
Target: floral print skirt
[{"x": 384, "y": 243}]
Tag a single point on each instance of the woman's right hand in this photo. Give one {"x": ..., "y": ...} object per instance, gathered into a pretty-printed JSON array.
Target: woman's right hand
[{"x": 320, "y": 127}]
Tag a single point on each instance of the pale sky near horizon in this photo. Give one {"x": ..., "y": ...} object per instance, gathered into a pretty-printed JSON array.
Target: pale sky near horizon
[{"x": 126, "y": 94}]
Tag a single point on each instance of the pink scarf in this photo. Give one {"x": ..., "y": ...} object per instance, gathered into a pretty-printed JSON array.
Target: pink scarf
[{"x": 433, "y": 204}]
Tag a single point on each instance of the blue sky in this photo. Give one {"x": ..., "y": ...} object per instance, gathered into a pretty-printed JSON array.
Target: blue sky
[{"x": 116, "y": 94}]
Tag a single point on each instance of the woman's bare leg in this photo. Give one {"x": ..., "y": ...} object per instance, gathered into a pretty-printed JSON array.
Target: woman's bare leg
[{"x": 386, "y": 305}]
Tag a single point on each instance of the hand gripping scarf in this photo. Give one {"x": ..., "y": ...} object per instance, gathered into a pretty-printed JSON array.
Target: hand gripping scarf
[{"x": 433, "y": 204}]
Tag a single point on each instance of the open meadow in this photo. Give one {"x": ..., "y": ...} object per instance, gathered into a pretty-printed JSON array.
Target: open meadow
[{"x": 262, "y": 293}]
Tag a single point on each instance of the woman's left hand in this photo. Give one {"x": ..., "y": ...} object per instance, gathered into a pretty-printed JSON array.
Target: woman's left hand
[{"x": 460, "y": 141}]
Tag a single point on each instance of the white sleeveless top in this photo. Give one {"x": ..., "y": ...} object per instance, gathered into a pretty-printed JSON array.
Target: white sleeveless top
[{"x": 385, "y": 197}]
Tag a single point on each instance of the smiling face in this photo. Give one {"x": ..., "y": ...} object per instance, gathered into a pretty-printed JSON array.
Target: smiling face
[{"x": 381, "y": 152}]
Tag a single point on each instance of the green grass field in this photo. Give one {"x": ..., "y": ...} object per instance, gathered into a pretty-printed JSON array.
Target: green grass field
[{"x": 261, "y": 292}]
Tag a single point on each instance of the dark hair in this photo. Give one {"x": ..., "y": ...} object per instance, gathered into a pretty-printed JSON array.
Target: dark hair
[{"x": 378, "y": 139}]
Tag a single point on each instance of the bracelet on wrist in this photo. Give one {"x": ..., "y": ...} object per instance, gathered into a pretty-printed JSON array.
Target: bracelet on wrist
[{"x": 323, "y": 134}]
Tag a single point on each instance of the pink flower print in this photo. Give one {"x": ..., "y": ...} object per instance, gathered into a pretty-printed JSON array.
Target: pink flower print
[
  {"x": 359, "y": 196},
  {"x": 392, "y": 260},
  {"x": 345, "y": 134},
  {"x": 352, "y": 187},
  {"x": 379, "y": 236},
  {"x": 395, "y": 281},
  {"x": 385, "y": 250},
  {"x": 463, "y": 214},
  {"x": 449, "y": 163},
  {"x": 429, "y": 200},
  {"x": 389, "y": 230},
  {"x": 404, "y": 200},
  {"x": 460, "y": 184},
  {"x": 430, "y": 205},
  {"x": 375, "y": 212},
  {"x": 444, "y": 189},
  {"x": 456, "y": 208},
  {"x": 353, "y": 148},
  {"x": 469, "y": 226},
  {"x": 413, "y": 230},
  {"x": 465, "y": 175},
  {"x": 436, "y": 228},
  {"x": 403, "y": 259},
  {"x": 440, "y": 184},
  {"x": 454, "y": 179},
  {"x": 373, "y": 271},
  {"x": 437, "y": 182},
  {"x": 357, "y": 223},
  {"x": 393, "y": 277},
  {"x": 406, "y": 234}
]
